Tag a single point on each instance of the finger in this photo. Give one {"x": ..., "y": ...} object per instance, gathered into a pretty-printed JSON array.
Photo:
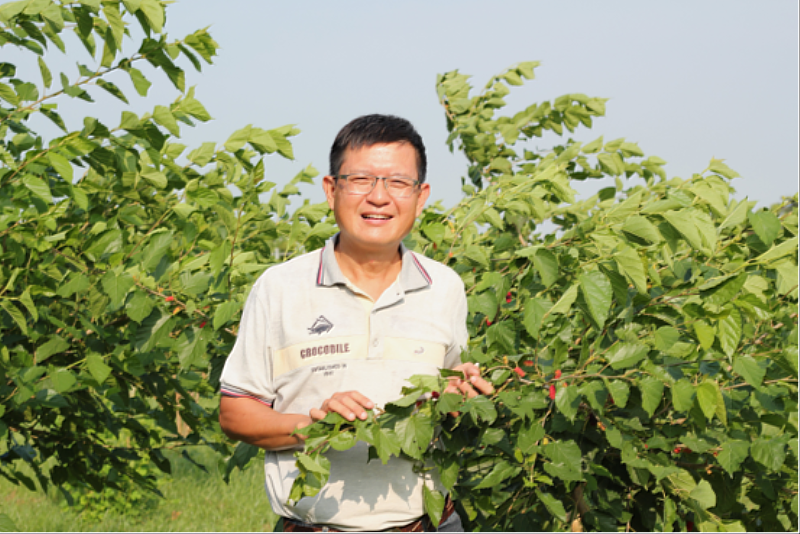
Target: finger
[
  {"x": 360, "y": 399},
  {"x": 347, "y": 408},
  {"x": 317, "y": 414},
  {"x": 467, "y": 390},
  {"x": 470, "y": 370},
  {"x": 483, "y": 385}
]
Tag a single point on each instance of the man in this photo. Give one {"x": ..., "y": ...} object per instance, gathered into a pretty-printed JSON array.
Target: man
[{"x": 341, "y": 330}]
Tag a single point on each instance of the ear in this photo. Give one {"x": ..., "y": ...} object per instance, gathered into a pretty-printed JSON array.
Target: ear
[
  {"x": 424, "y": 193},
  {"x": 329, "y": 186}
]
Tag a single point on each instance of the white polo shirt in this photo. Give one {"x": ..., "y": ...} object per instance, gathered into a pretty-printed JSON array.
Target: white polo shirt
[{"x": 307, "y": 332}]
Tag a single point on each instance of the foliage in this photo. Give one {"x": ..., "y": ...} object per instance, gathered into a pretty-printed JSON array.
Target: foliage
[
  {"x": 194, "y": 501},
  {"x": 644, "y": 354},
  {"x": 124, "y": 257}
]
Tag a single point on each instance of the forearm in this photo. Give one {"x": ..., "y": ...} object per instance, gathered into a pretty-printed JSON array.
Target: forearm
[{"x": 257, "y": 424}]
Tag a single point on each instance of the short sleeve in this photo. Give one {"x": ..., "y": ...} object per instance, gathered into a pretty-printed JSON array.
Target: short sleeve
[
  {"x": 459, "y": 328},
  {"x": 248, "y": 369}
]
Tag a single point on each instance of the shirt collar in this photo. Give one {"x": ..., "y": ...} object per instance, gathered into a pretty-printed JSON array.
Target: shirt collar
[{"x": 412, "y": 274}]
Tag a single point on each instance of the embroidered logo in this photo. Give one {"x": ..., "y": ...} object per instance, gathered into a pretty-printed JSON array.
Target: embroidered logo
[
  {"x": 419, "y": 350},
  {"x": 320, "y": 326}
]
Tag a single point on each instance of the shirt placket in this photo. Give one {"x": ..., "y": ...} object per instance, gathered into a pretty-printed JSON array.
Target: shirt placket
[{"x": 391, "y": 296}]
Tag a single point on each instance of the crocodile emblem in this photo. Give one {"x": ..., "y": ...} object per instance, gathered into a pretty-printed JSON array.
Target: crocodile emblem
[{"x": 321, "y": 326}]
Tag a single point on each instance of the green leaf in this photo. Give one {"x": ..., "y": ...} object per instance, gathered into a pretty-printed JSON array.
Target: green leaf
[
  {"x": 434, "y": 504},
  {"x": 683, "y": 394},
  {"x": 77, "y": 283},
  {"x": 729, "y": 331},
  {"x": 565, "y": 302},
  {"x": 630, "y": 264},
  {"x": 140, "y": 83},
  {"x": 163, "y": 116},
  {"x": 534, "y": 311},
  {"x": 481, "y": 409},
  {"x": 61, "y": 165},
  {"x": 155, "y": 177},
  {"x": 625, "y": 355},
  {"x": 529, "y": 435},
  {"x": 224, "y": 313},
  {"x": 201, "y": 157},
  {"x": 666, "y": 337},
  {"x": 16, "y": 315},
  {"x": 6, "y": 524},
  {"x": 778, "y": 251},
  {"x": 117, "y": 287},
  {"x": 553, "y": 505},
  {"x": 643, "y": 228},
  {"x": 568, "y": 400},
  {"x": 731, "y": 454},
  {"x": 63, "y": 379},
  {"x": 501, "y": 471},
  {"x": 194, "y": 108},
  {"x": 27, "y": 301},
  {"x": 501, "y": 334},
  {"x": 620, "y": 391},
  {"x": 54, "y": 345},
  {"x": 191, "y": 347},
  {"x": 343, "y": 441},
  {"x": 597, "y": 293},
  {"x": 595, "y": 394},
  {"x": 139, "y": 306},
  {"x": 652, "y": 391},
  {"x": 704, "y": 494},
  {"x": 749, "y": 369},
  {"x": 724, "y": 292},
  {"x": 684, "y": 223},
  {"x": 705, "y": 334},
  {"x": 737, "y": 215},
  {"x": 154, "y": 13},
  {"x": 566, "y": 452},
  {"x": 707, "y": 396},
  {"x": 546, "y": 265},
  {"x": 38, "y": 187},
  {"x": 766, "y": 225},
  {"x": 112, "y": 89},
  {"x": 415, "y": 434},
  {"x": 97, "y": 367},
  {"x": 156, "y": 249},
  {"x": 47, "y": 77},
  {"x": 769, "y": 452},
  {"x": 719, "y": 167}
]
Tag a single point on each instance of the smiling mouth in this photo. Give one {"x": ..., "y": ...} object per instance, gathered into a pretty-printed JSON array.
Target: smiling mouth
[{"x": 376, "y": 217}]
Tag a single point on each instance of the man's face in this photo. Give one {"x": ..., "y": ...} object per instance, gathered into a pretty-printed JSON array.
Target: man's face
[{"x": 377, "y": 221}]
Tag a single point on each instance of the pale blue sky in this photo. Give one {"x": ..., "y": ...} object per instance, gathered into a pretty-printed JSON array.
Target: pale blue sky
[{"x": 687, "y": 80}]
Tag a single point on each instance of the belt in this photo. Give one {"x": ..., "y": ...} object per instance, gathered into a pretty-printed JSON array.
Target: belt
[{"x": 420, "y": 525}]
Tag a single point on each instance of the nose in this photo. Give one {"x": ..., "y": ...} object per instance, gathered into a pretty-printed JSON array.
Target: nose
[{"x": 379, "y": 195}]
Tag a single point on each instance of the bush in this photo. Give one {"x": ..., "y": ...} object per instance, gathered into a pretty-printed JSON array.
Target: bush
[
  {"x": 124, "y": 257},
  {"x": 644, "y": 354}
]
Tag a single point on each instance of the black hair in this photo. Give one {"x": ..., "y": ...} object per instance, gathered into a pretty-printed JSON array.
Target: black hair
[{"x": 373, "y": 129}]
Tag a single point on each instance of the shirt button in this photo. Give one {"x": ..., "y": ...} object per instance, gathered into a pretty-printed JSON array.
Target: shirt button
[{"x": 375, "y": 343}]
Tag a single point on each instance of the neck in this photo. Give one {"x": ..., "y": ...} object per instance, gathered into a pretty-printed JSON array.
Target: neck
[{"x": 371, "y": 271}]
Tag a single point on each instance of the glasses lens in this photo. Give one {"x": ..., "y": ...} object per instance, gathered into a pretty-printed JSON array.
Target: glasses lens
[
  {"x": 400, "y": 187},
  {"x": 360, "y": 184}
]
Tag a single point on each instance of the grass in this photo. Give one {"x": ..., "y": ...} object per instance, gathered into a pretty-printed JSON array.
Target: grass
[{"x": 194, "y": 502}]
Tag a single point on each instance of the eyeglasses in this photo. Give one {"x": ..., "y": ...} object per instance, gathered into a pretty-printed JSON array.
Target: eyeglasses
[{"x": 363, "y": 184}]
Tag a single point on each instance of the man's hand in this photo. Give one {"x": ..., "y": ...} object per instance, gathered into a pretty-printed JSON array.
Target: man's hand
[
  {"x": 467, "y": 386},
  {"x": 348, "y": 404}
]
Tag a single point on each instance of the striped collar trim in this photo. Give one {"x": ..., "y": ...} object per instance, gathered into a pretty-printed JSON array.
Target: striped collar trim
[{"x": 413, "y": 274}]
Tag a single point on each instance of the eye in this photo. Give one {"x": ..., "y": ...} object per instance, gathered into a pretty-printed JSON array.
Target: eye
[
  {"x": 399, "y": 183},
  {"x": 360, "y": 180}
]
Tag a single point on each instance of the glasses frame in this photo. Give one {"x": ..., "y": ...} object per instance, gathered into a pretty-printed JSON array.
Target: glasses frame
[{"x": 374, "y": 183}]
